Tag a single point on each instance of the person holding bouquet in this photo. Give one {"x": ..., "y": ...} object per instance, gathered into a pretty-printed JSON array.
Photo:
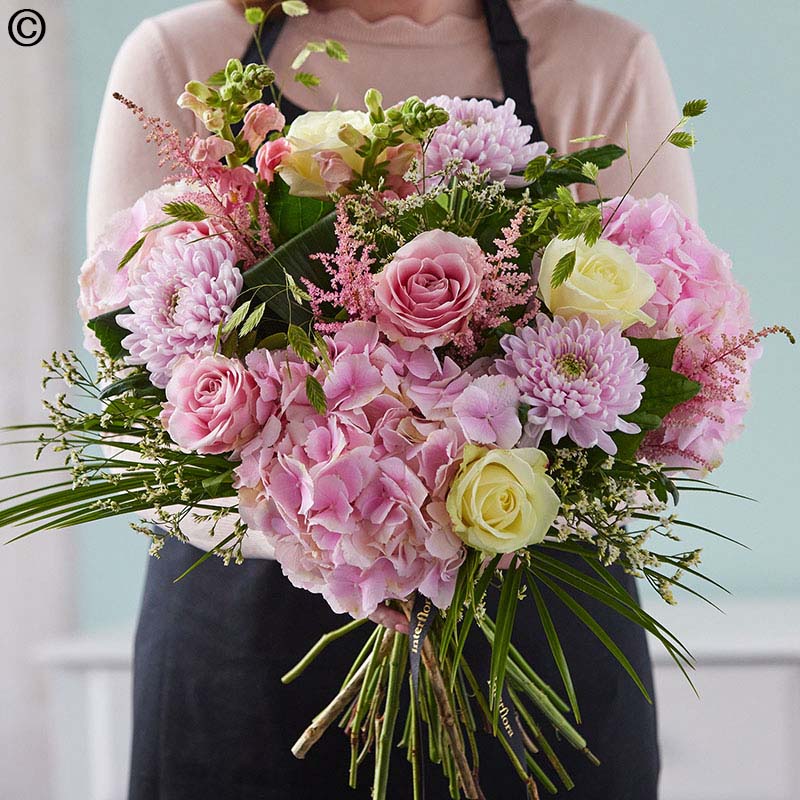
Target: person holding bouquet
[{"x": 208, "y": 719}]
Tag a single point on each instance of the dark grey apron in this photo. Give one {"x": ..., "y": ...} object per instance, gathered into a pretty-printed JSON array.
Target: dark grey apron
[{"x": 212, "y": 720}]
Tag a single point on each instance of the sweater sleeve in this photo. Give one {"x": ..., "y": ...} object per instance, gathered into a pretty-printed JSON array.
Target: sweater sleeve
[
  {"x": 638, "y": 113},
  {"x": 125, "y": 166}
]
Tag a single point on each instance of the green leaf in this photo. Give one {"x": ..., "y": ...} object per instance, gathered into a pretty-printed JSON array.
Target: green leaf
[
  {"x": 110, "y": 333},
  {"x": 602, "y": 635},
  {"x": 504, "y": 627},
  {"x": 308, "y": 79},
  {"x": 138, "y": 383},
  {"x": 184, "y": 211},
  {"x": 665, "y": 389},
  {"x": 291, "y": 215},
  {"x": 301, "y": 344},
  {"x": 237, "y": 318},
  {"x": 217, "y": 79},
  {"x": 590, "y": 170},
  {"x": 536, "y": 169},
  {"x": 657, "y": 352},
  {"x": 336, "y": 50},
  {"x": 294, "y": 8},
  {"x": 131, "y": 252},
  {"x": 267, "y": 279},
  {"x": 683, "y": 139},
  {"x": 563, "y": 269},
  {"x": 254, "y": 15},
  {"x": 308, "y": 49},
  {"x": 694, "y": 108},
  {"x": 581, "y": 139},
  {"x": 251, "y": 323},
  {"x": 555, "y": 644},
  {"x": 315, "y": 394}
]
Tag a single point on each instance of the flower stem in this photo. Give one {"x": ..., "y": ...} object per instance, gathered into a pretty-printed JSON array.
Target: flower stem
[
  {"x": 331, "y": 712},
  {"x": 323, "y": 642},
  {"x": 385, "y": 742}
]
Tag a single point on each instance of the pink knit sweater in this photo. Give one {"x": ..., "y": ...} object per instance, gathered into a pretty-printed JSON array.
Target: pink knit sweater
[{"x": 591, "y": 73}]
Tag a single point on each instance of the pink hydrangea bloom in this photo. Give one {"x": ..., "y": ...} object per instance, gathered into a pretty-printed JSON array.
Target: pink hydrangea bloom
[
  {"x": 353, "y": 501},
  {"x": 212, "y": 405},
  {"x": 697, "y": 299},
  {"x": 479, "y": 133},
  {"x": 177, "y": 306},
  {"x": 487, "y": 411},
  {"x": 578, "y": 378},
  {"x": 427, "y": 292}
]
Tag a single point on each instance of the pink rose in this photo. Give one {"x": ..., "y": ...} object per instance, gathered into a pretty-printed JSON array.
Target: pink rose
[
  {"x": 212, "y": 148},
  {"x": 260, "y": 120},
  {"x": 333, "y": 169},
  {"x": 270, "y": 156},
  {"x": 212, "y": 405},
  {"x": 427, "y": 292}
]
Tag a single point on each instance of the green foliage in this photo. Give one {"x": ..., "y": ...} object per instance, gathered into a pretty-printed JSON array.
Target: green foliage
[
  {"x": 694, "y": 108},
  {"x": 294, "y": 8},
  {"x": 109, "y": 333},
  {"x": 254, "y": 15},
  {"x": 269, "y": 279},
  {"x": 590, "y": 170},
  {"x": 236, "y": 319},
  {"x": 315, "y": 394},
  {"x": 683, "y": 139},
  {"x": 308, "y": 79},
  {"x": 568, "y": 169},
  {"x": 336, "y": 50},
  {"x": 131, "y": 252},
  {"x": 563, "y": 269},
  {"x": 184, "y": 211},
  {"x": 301, "y": 344},
  {"x": 251, "y": 323},
  {"x": 535, "y": 169},
  {"x": 291, "y": 215},
  {"x": 663, "y": 390}
]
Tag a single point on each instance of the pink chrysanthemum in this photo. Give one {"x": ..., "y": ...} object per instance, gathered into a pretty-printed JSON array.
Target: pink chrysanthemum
[
  {"x": 578, "y": 378},
  {"x": 697, "y": 299},
  {"x": 189, "y": 288},
  {"x": 491, "y": 137}
]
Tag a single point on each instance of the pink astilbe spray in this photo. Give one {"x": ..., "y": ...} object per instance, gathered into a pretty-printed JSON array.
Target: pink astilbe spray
[
  {"x": 695, "y": 433},
  {"x": 175, "y": 152},
  {"x": 350, "y": 269},
  {"x": 503, "y": 287}
]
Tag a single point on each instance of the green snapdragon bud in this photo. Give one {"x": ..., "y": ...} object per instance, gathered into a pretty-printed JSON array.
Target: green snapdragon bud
[
  {"x": 382, "y": 130},
  {"x": 199, "y": 90},
  {"x": 373, "y": 100},
  {"x": 351, "y": 136}
]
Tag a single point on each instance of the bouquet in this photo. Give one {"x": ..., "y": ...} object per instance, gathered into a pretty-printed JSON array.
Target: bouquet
[{"x": 390, "y": 347}]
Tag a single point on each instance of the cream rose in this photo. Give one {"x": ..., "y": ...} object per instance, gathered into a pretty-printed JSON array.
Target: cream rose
[
  {"x": 502, "y": 500},
  {"x": 313, "y": 133},
  {"x": 606, "y": 284}
]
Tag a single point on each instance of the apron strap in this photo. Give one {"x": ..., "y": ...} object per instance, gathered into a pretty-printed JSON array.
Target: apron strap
[
  {"x": 509, "y": 46},
  {"x": 510, "y": 49}
]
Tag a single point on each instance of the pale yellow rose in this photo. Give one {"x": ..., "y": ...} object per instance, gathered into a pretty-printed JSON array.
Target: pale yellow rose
[
  {"x": 606, "y": 284},
  {"x": 312, "y": 133},
  {"x": 502, "y": 500}
]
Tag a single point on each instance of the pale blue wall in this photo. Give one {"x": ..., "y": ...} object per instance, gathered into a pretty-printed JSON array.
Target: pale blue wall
[{"x": 744, "y": 58}]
